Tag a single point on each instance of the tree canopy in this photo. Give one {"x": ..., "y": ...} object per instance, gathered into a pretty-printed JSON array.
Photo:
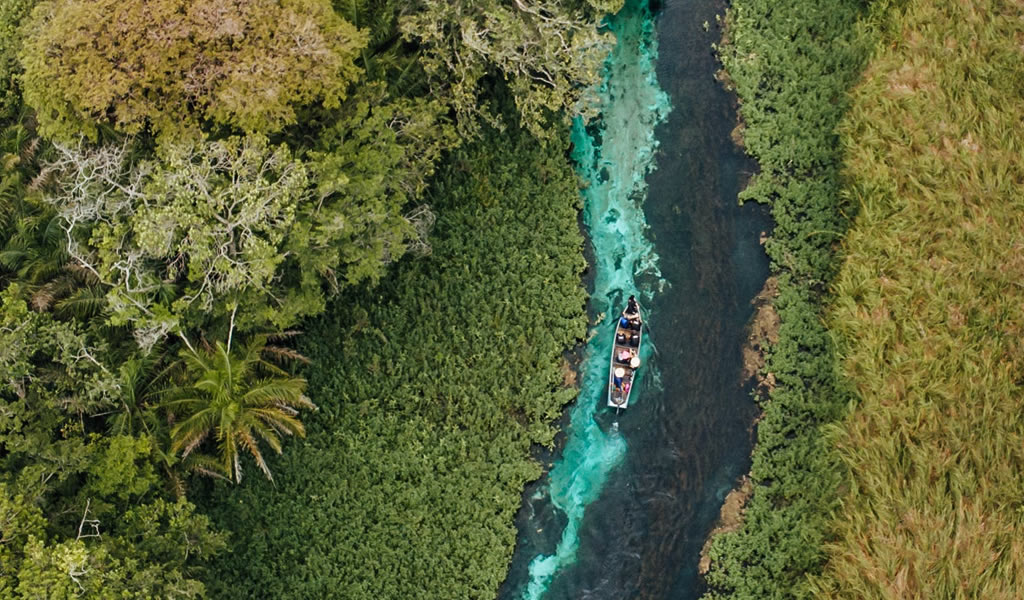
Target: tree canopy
[
  {"x": 236, "y": 226},
  {"x": 182, "y": 180},
  {"x": 549, "y": 53},
  {"x": 12, "y": 13},
  {"x": 200, "y": 229},
  {"x": 75, "y": 504},
  {"x": 173, "y": 65}
]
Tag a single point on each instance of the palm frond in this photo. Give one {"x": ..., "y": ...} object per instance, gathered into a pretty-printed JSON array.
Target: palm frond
[
  {"x": 83, "y": 304},
  {"x": 284, "y": 355},
  {"x": 278, "y": 391},
  {"x": 206, "y": 465},
  {"x": 250, "y": 444},
  {"x": 186, "y": 440},
  {"x": 282, "y": 422},
  {"x": 271, "y": 435},
  {"x": 282, "y": 335}
]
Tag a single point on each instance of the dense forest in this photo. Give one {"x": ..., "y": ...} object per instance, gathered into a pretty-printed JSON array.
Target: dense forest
[{"x": 227, "y": 224}]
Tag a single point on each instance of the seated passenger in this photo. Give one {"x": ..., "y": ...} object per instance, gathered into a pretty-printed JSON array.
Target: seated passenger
[{"x": 634, "y": 340}]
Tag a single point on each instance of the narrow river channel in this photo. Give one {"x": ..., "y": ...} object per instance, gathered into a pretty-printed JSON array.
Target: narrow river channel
[{"x": 629, "y": 498}]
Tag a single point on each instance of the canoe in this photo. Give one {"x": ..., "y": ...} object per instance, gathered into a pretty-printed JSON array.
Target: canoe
[{"x": 625, "y": 359}]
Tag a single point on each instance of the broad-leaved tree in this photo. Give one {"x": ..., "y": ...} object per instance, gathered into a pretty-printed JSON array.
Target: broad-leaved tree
[
  {"x": 550, "y": 52},
  {"x": 176, "y": 65}
]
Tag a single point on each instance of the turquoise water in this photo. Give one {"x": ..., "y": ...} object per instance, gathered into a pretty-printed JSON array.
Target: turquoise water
[
  {"x": 629, "y": 498},
  {"x": 613, "y": 160}
]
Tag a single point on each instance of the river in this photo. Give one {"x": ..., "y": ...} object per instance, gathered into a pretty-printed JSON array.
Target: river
[{"x": 629, "y": 499}]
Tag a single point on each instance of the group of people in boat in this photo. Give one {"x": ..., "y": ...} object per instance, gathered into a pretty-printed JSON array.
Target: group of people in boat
[
  {"x": 627, "y": 340},
  {"x": 632, "y": 340}
]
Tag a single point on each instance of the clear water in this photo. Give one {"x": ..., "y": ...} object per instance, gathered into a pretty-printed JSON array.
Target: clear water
[{"x": 629, "y": 498}]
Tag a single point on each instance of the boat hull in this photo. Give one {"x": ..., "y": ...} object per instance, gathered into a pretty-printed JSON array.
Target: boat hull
[{"x": 624, "y": 358}]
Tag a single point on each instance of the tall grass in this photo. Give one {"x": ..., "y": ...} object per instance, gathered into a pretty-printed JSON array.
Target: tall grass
[{"x": 929, "y": 312}]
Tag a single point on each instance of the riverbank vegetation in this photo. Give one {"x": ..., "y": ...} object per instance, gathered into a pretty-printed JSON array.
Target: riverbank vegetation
[
  {"x": 913, "y": 491},
  {"x": 431, "y": 389},
  {"x": 177, "y": 202},
  {"x": 929, "y": 311},
  {"x": 791, "y": 63}
]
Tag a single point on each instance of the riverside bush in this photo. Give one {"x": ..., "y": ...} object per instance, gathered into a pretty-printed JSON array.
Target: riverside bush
[
  {"x": 432, "y": 387},
  {"x": 791, "y": 62}
]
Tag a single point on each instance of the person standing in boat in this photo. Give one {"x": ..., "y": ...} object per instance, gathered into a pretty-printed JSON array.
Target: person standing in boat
[{"x": 631, "y": 306}]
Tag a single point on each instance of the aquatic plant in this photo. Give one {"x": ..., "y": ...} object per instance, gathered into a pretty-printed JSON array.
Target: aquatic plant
[
  {"x": 790, "y": 63},
  {"x": 432, "y": 388}
]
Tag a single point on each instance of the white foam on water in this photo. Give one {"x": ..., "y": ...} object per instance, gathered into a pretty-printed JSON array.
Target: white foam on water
[{"x": 614, "y": 167}]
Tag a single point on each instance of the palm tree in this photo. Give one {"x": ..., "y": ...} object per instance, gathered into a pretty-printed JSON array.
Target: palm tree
[
  {"x": 385, "y": 57},
  {"x": 238, "y": 398},
  {"x": 33, "y": 244}
]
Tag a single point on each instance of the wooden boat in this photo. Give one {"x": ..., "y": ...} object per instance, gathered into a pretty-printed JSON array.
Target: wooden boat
[{"x": 625, "y": 358}]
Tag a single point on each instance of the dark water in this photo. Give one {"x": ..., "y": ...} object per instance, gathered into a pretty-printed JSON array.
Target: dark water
[
  {"x": 681, "y": 468},
  {"x": 690, "y": 437}
]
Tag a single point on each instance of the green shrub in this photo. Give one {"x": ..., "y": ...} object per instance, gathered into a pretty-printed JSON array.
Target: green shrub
[{"x": 791, "y": 63}]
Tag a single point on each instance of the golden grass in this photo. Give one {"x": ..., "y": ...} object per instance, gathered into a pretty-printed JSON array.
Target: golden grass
[{"x": 929, "y": 312}]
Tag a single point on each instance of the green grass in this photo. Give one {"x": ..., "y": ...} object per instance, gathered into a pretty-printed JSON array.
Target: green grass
[
  {"x": 929, "y": 311},
  {"x": 432, "y": 389}
]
